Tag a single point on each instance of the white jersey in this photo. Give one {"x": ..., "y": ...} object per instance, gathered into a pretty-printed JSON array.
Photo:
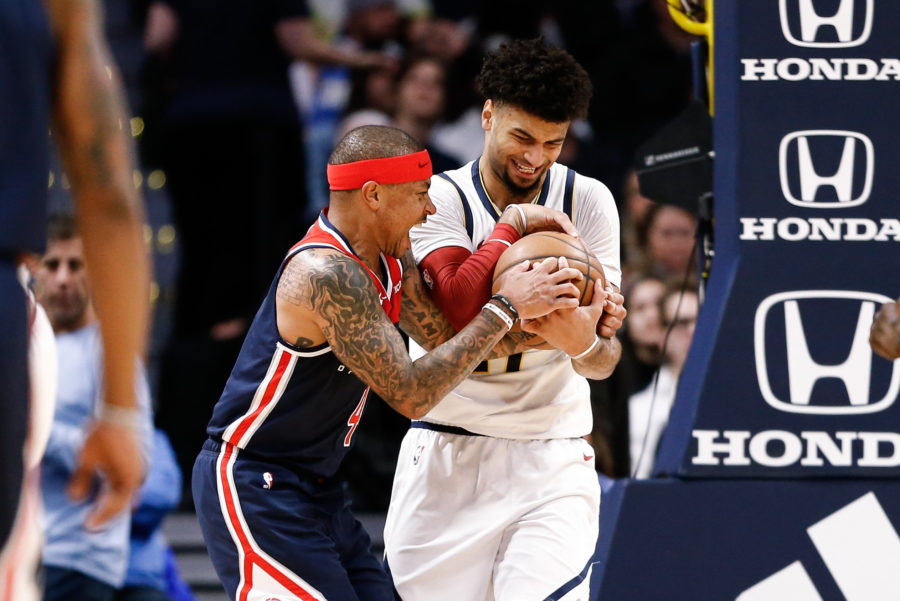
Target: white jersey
[{"x": 536, "y": 394}]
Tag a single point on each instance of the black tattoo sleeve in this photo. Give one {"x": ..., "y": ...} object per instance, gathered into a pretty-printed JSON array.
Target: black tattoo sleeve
[
  {"x": 344, "y": 300},
  {"x": 420, "y": 317}
]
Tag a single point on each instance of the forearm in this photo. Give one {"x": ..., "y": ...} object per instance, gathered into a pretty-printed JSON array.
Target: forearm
[
  {"x": 600, "y": 362},
  {"x": 420, "y": 317},
  {"x": 337, "y": 293},
  {"x": 413, "y": 388},
  {"x": 427, "y": 380},
  {"x": 462, "y": 280},
  {"x": 427, "y": 325},
  {"x": 90, "y": 124}
]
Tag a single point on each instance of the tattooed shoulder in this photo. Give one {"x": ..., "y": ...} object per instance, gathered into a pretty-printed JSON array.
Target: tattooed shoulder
[{"x": 320, "y": 278}]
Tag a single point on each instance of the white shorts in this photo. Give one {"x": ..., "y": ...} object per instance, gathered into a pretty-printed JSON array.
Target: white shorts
[{"x": 485, "y": 519}]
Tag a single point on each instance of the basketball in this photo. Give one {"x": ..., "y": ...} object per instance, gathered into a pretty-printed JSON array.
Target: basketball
[{"x": 540, "y": 245}]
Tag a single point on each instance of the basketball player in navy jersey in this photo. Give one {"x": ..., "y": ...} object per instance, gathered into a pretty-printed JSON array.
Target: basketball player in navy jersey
[
  {"x": 275, "y": 520},
  {"x": 56, "y": 68},
  {"x": 495, "y": 495}
]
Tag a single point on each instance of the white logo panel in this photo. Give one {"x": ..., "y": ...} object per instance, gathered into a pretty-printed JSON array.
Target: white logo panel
[
  {"x": 790, "y": 584},
  {"x": 809, "y": 32},
  {"x": 803, "y": 372},
  {"x": 861, "y": 550},
  {"x": 812, "y": 178}
]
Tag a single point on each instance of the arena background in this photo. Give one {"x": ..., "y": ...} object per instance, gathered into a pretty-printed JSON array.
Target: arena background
[{"x": 776, "y": 478}]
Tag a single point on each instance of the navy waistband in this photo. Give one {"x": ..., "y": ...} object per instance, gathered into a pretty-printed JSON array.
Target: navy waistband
[
  {"x": 442, "y": 428},
  {"x": 215, "y": 445}
]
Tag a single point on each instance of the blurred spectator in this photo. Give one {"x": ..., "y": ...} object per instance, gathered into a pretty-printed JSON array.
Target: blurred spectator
[
  {"x": 147, "y": 578},
  {"x": 665, "y": 243},
  {"x": 649, "y": 409},
  {"x": 641, "y": 337},
  {"x": 643, "y": 332},
  {"x": 462, "y": 138},
  {"x": 418, "y": 93},
  {"x": 372, "y": 102},
  {"x": 233, "y": 153},
  {"x": 78, "y": 563},
  {"x": 420, "y": 97}
]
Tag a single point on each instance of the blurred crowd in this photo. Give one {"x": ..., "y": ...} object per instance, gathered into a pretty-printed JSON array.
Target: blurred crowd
[{"x": 237, "y": 105}]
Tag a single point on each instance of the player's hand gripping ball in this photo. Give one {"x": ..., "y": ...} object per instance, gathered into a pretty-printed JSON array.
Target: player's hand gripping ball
[{"x": 540, "y": 245}]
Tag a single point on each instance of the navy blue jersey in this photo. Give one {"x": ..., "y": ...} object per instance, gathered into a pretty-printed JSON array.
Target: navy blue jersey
[
  {"x": 26, "y": 49},
  {"x": 298, "y": 407}
]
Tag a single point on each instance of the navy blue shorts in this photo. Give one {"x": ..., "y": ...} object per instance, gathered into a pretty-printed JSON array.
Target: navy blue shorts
[
  {"x": 13, "y": 393},
  {"x": 272, "y": 533}
]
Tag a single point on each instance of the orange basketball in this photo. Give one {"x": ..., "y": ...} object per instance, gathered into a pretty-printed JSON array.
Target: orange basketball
[{"x": 541, "y": 245}]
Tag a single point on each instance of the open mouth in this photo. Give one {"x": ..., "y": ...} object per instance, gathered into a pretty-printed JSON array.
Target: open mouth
[{"x": 522, "y": 169}]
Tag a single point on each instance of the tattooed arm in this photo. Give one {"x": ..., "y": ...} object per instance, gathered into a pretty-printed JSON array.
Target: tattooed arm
[
  {"x": 327, "y": 290},
  {"x": 420, "y": 317},
  {"x": 425, "y": 323},
  {"x": 90, "y": 126},
  {"x": 323, "y": 294}
]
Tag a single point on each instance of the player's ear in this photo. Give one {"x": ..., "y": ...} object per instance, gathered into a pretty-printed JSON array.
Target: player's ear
[
  {"x": 372, "y": 195},
  {"x": 487, "y": 115}
]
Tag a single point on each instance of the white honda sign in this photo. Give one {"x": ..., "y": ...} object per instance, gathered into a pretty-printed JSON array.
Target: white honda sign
[
  {"x": 803, "y": 371},
  {"x": 807, "y": 23},
  {"x": 851, "y": 180}
]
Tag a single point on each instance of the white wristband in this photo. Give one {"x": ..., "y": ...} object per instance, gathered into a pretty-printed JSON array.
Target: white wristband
[
  {"x": 125, "y": 417},
  {"x": 588, "y": 350},
  {"x": 499, "y": 313},
  {"x": 522, "y": 215}
]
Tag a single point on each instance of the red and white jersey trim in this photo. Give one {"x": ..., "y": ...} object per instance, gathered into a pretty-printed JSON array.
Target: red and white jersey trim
[
  {"x": 267, "y": 395},
  {"x": 261, "y": 576},
  {"x": 20, "y": 558}
]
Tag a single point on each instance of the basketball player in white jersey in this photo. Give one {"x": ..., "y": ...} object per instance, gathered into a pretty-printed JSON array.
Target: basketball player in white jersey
[{"x": 495, "y": 494}]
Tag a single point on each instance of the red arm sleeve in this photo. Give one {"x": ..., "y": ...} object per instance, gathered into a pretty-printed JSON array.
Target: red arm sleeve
[{"x": 461, "y": 279}]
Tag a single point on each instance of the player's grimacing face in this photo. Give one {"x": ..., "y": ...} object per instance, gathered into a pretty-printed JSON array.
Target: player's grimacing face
[
  {"x": 520, "y": 147},
  {"x": 410, "y": 206}
]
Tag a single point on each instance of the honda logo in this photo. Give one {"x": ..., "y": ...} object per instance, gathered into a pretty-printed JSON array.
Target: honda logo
[
  {"x": 839, "y": 176},
  {"x": 786, "y": 367},
  {"x": 806, "y": 23}
]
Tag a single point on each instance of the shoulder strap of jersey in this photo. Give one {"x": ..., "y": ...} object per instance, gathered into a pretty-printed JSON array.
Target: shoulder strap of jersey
[
  {"x": 322, "y": 234},
  {"x": 467, "y": 210}
]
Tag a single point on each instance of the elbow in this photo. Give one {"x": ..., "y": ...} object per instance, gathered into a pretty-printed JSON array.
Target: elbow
[
  {"x": 416, "y": 413},
  {"x": 409, "y": 408}
]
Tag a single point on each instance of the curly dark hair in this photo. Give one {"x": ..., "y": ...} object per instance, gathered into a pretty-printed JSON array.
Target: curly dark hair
[{"x": 544, "y": 80}]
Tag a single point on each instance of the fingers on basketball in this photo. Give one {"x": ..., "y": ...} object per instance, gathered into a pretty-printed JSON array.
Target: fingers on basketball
[{"x": 542, "y": 245}]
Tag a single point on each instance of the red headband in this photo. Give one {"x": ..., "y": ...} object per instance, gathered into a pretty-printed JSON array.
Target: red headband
[{"x": 392, "y": 170}]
